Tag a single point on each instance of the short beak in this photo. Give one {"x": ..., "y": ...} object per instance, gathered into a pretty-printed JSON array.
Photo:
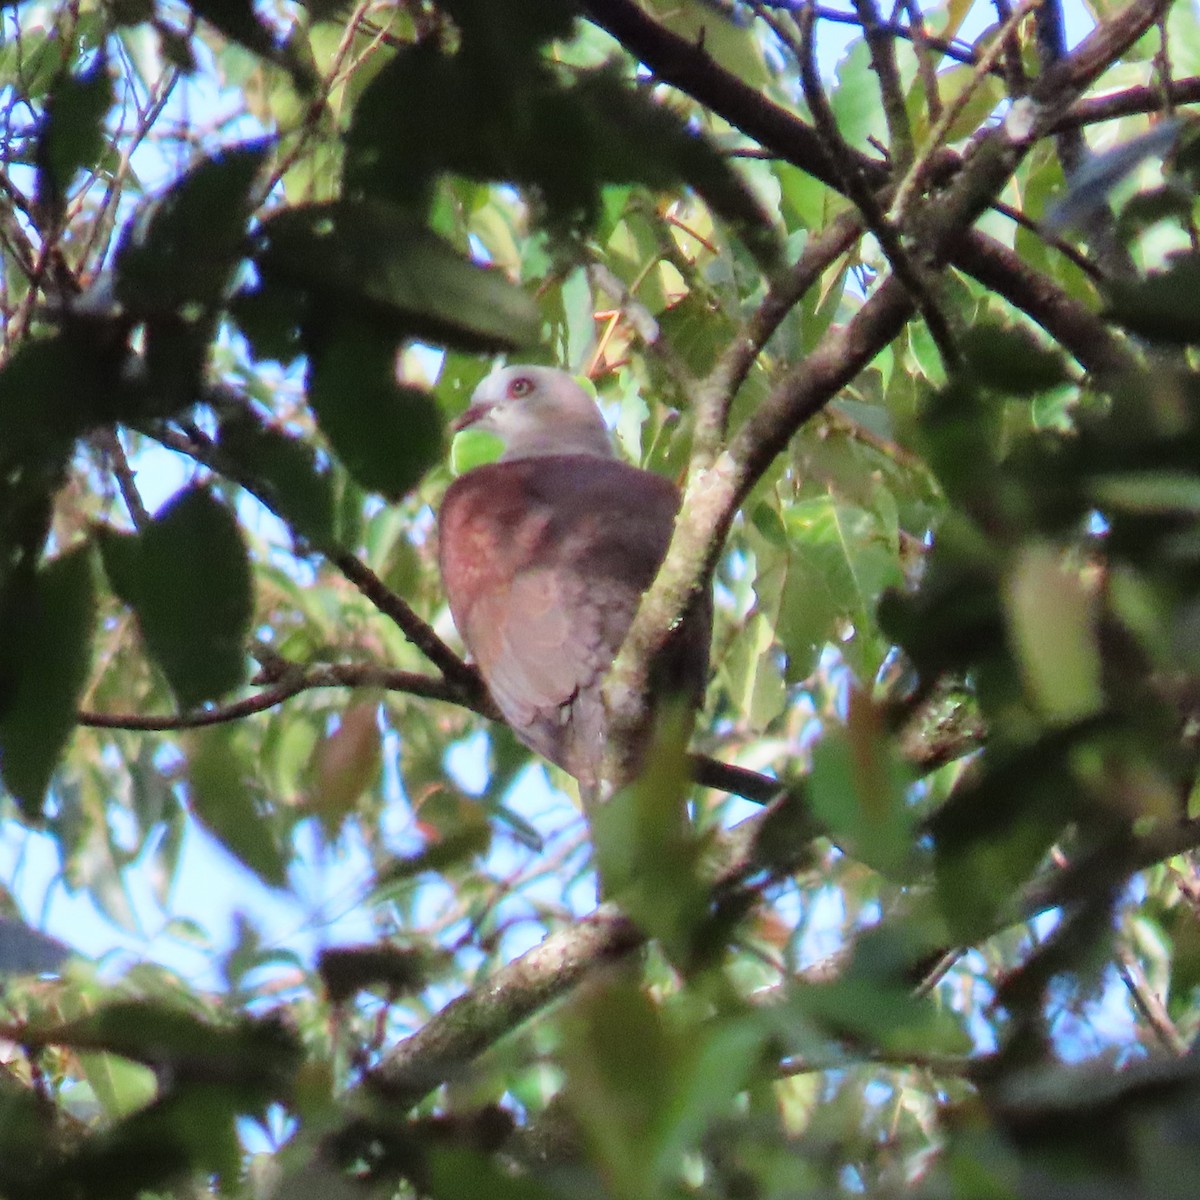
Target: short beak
[{"x": 475, "y": 413}]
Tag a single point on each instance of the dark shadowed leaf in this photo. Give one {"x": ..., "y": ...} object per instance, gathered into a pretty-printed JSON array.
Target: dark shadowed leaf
[
  {"x": 237, "y": 20},
  {"x": 397, "y": 970},
  {"x": 1007, "y": 358},
  {"x": 371, "y": 259},
  {"x": 565, "y": 134},
  {"x": 163, "y": 1035},
  {"x": 187, "y": 577},
  {"x": 298, "y": 486},
  {"x": 455, "y": 848},
  {"x": 72, "y": 137},
  {"x": 45, "y": 655},
  {"x": 54, "y": 389},
  {"x": 1163, "y": 305},
  {"x": 180, "y": 250},
  {"x": 387, "y": 435},
  {"x": 26, "y": 951},
  {"x": 269, "y": 318}
]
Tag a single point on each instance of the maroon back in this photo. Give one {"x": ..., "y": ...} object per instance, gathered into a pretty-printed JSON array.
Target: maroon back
[{"x": 544, "y": 561}]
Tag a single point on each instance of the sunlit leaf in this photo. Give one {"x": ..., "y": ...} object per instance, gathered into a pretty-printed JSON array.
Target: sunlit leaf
[{"x": 1052, "y": 623}]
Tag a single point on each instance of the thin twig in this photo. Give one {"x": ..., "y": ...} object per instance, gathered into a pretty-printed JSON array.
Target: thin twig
[
  {"x": 912, "y": 182},
  {"x": 925, "y": 65},
  {"x": 1146, "y": 1001},
  {"x": 110, "y": 443},
  {"x": 883, "y": 63},
  {"x": 886, "y": 232},
  {"x": 1014, "y": 68},
  {"x": 291, "y": 682},
  {"x": 714, "y": 395},
  {"x": 1064, "y": 248}
]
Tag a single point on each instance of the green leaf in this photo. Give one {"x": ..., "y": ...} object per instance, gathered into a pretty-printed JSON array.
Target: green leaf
[
  {"x": 621, "y": 1065},
  {"x": 73, "y": 134},
  {"x": 873, "y": 1004},
  {"x": 646, "y": 851},
  {"x": 645, "y": 1081},
  {"x": 372, "y": 261},
  {"x": 187, "y": 578},
  {"x": 858, "y": 786},
  {"x": 732, "y": 44},
  {"x": 841, "y": 559},
  {"x": 46, "y": 625},
  {"x": 53, "y": 390},
  {"x": 121, "y": 1086},
  {"x": 387, "y": 435},
  {"x": 473, "y": 448},
  {"x": 298, "y": 487},
  {"x": 1052, "y": 624},
  {"x": 224, "y": 800},
  {"x": 1161, "y": 306},
  {"x": 1010, "y": 360}
]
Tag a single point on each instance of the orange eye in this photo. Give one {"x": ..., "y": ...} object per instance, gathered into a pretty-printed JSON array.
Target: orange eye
[{"x": 521, "y": 386}]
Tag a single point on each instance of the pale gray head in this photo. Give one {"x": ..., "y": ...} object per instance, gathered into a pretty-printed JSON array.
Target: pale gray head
[{"x": 537, "y": 411}]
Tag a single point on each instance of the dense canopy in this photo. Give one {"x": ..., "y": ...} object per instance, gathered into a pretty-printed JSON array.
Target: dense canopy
[{"x": 904, "y": 300}]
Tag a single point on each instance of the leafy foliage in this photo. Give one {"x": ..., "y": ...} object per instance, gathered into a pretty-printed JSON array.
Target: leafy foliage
[{"x": 929, "y": 374}]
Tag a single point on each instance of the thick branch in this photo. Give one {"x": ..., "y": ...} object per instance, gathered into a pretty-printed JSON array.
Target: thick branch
[
  {"x": 688, "y": 67},
  {"x": 714, "y": 395},
  {"x": 714, "y": 492},
  {"x": 1093, "y": 342},
  {"x": 1127, "y": 103},
  {"x": 443, "y": 1048},
  {"x": 466, "y": 1027}
]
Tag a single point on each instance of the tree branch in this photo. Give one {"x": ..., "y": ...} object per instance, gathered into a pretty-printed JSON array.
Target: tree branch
[
  {"x": 286, "y": 681},
  {"x": 686, "y": 66},
  {"x": 714, "y": 395},
  {"x": 441, "y": 1049},
  {"x": 714, "y": 492}
]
